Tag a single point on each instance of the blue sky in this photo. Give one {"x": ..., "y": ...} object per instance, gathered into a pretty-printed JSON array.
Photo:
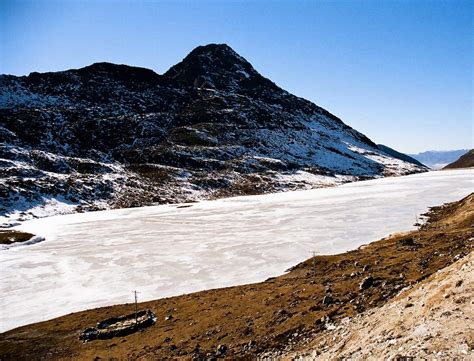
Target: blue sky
[{"x": 398, "y": 71}]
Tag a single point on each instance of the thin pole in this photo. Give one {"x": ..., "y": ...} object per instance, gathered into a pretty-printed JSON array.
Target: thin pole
[
  {"x": 314, "y": 263},
  {"x": 136, "y": 307},
  {"x": 418, "y": 226}
]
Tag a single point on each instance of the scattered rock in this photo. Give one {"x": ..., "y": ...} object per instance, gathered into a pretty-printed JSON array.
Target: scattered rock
[
  {"x": 325, "y": 319},
  {"x": 404, "y": 358},
  {"x": 366, "y": 283},
  {"x": 409, "y": 242},
  {"x": 328, "y": 300},
  {"x": 221, "y": 349},
  {"x": 250, "y": 345},
  {"x": 282, "y": 312}
]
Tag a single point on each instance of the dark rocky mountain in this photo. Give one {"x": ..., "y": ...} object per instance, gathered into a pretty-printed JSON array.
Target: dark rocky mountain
[
  {"x": 464, "y": 161},
  {"x": 112, "y": 135}
]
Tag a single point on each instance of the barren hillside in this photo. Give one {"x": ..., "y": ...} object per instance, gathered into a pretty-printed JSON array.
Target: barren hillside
[
  {"x": 431, "y": 320},
  {"x": 464, "y": 161}
]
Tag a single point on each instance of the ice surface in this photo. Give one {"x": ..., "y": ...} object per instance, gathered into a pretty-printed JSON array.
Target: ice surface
[{"x": 98, "y": 258}]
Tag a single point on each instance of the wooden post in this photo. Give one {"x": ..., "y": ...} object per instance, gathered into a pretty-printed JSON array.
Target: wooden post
[
  {"x": 418, "y": 226},
  {"x": 136, "y": 308},
  {"x": 314, "y": 263}
]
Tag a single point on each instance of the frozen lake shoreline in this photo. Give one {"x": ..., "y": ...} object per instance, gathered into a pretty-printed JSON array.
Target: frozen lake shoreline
[{"x": 96, "y": 259}]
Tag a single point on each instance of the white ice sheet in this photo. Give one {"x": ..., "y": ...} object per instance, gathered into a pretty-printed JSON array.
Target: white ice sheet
[{"x": 97, "y": 259}]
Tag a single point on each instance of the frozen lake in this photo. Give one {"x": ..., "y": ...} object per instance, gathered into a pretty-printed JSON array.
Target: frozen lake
[{"x": 99, "y": 258}]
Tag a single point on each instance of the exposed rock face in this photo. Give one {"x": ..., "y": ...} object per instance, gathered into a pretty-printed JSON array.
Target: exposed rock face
[{"x": 113, "y": 135}]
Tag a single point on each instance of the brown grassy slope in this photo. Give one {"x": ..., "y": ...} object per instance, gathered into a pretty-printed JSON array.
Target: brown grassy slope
[
  {"x": 271, "y": 315},
  {"x": 11, "y": 236},
  {"x": 434, "y": 319},
  {"x": 464, "y": 161}
]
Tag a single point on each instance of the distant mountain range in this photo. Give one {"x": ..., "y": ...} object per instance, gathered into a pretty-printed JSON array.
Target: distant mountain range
[
  {"x": 112, "y": 135},
  {"x": 437, "y": 159}
]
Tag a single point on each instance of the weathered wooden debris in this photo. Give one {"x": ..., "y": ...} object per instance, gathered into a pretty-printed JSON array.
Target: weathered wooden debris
[{"x": 119, "y": 326}]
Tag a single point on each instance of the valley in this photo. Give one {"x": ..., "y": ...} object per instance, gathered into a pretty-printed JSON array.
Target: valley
[
  {"x": 315, "y": 309},
  {"x": 98, "y": 258}
]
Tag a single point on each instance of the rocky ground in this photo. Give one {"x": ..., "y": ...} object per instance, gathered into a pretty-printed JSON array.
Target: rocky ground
[
  {"x": 431, "y": 320},
  {"x": 11, "y": 236},
  {"x": 296, "y": 312}
]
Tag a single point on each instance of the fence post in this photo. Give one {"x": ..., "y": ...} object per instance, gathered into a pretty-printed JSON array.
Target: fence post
[{"x": 136, "y": 307}]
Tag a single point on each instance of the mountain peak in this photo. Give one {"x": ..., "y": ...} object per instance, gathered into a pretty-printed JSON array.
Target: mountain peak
[
  {"x": 217, "y": 51},
  {"x": 215, "y": 66}
]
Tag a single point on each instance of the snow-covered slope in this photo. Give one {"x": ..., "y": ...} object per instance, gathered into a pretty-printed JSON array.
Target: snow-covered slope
[{"x": 116, "y": 136}]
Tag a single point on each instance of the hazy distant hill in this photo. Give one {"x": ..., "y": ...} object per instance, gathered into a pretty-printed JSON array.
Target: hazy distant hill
[{"x": 437, "y": 159}]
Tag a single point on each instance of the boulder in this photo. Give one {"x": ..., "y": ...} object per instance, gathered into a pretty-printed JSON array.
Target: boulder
[{"x": 366, "y": 283}]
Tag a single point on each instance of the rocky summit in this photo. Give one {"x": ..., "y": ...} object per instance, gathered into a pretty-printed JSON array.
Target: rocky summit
[{"x": 108, "y": 136}]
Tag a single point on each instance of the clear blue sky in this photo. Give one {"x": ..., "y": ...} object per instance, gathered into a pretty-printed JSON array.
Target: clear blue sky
[{"x": 399, "y": 71}]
